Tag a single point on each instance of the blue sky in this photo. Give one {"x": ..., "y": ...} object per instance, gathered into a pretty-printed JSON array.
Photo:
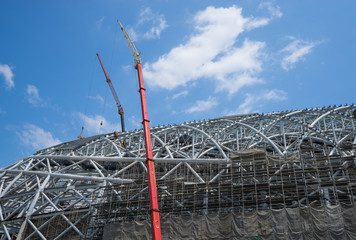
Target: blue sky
[{"x": 201, "y": 59}]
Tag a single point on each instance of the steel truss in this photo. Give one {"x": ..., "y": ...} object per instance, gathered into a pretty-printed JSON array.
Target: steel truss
[{"x": 236, "y": 163}]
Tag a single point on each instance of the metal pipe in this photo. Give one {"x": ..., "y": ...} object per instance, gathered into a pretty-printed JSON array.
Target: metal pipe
[
  {"x": 132, "y": 159},
  {"x": 69, "y": 176}
]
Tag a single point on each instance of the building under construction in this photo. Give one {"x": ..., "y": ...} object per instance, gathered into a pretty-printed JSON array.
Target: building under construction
[{"x": 283, "y": 175}]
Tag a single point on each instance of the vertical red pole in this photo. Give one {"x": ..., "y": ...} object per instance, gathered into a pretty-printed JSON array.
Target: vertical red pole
[{"x": 155, "y": 221}]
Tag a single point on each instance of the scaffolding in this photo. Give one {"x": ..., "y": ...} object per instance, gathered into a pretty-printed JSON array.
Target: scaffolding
[{"x": 231, "y": 165}]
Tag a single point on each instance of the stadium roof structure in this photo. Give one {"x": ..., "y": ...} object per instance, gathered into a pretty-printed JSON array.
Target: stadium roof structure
[{"x": 289, "y": 159}]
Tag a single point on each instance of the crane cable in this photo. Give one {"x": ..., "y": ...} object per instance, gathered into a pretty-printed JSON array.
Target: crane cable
[
  {"x": 109, "y": 71},
  {"x": 104, "y": 108},
  {"x": 113, "y": 48},
  {"x": 87, "y": 98}
]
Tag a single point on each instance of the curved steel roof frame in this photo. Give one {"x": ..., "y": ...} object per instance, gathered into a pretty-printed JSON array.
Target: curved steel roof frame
[{"x": 68, "y": 179}]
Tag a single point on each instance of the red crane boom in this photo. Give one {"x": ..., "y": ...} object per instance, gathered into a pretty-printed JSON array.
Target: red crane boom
[
  {"x": 155, "y": 220},
  {"x": 121, "y": 110}
]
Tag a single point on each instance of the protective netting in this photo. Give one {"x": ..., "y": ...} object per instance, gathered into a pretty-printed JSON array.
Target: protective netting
[{"x": 328, "y": 222}]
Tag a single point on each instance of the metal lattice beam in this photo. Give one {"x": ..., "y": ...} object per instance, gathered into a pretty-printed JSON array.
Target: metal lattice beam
[{"x": 243, "y": 162}]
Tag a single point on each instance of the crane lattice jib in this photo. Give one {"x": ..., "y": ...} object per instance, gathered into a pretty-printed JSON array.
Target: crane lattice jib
[
  {"x": 119, "y": 106},
  {"x": 117, "y": 101},
  {"x": 134, "y": 52},
  {"x": 121, "y": 110}
]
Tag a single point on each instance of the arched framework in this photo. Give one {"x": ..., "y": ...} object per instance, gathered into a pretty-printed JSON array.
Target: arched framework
[{"x": 235, "y": 163}]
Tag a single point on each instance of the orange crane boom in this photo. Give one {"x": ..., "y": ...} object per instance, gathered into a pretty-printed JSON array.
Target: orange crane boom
[
  {"x": 121, "y": 110},
  {"x": 155, "y": 219}
]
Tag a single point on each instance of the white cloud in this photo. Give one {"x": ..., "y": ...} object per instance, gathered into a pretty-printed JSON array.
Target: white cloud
[
  {"x": 146, "y": 17},
  {"x": 36, "y": 137},
  {"x": 273, "y": 10},
  {"x": 6, "y": 71},
  {"x": 97, "y": 98},
  {"x": 180, "y": 94},
  {"x": 127, "y": 68},
  {"x": 97, "y": 124},
  {"x": 237, "y": 68},
  {"x": 32, "y": 95},
  {"x": 256, "y": 23},
  {"x": 158, "y": 21},
  {"x": 99, "y": 23},
  {"x": 253, "y": 102},
  {"x": 274, "y": 94},
  {"x": 247, "y": 105},
  {"x": 211, "y": 52},
  {"x": 2, "y": 111},
  {"x": 203, "y": 105},
  {"x": 135, "y": 122},
  {"x": 295, "y": 52}
]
